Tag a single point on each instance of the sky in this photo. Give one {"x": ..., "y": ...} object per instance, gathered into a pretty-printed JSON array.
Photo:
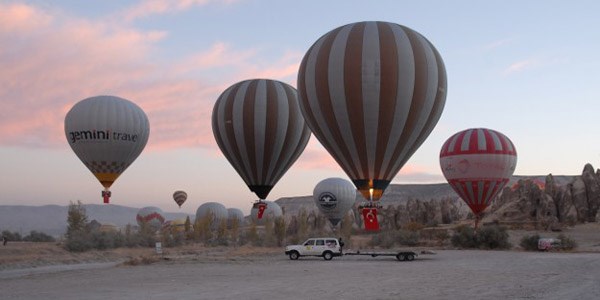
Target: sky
[{"x": 528, "y": 69}]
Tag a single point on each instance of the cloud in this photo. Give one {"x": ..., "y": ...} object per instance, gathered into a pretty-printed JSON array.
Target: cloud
[
  {"x": 156, "y": 7},
  {"x": 51, "y": 60},
  {"x": 521, "y": 66},
  {"x": 498, "y": 43}
]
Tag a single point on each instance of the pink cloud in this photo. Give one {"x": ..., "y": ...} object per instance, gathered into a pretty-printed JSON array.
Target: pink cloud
[
  {"x": 50, "y": 61},
  {"x": 521, "y": 66},
  {"x": 156, "y": 7}
]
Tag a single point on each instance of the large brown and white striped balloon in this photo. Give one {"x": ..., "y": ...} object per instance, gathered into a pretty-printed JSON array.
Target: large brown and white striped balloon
[
  {"x": 478, "y": 163},
  {"x": 258, "y": 126},
  {"x": 372, "y": 92}
]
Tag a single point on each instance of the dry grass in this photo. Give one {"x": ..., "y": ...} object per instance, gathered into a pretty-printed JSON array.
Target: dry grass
[{"x": 18, "y": 255}]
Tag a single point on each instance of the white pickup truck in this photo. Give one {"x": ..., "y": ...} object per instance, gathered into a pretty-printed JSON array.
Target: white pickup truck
[{"x": 325, "y": 247}]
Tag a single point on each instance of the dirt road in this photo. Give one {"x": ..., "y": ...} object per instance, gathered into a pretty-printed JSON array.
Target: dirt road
[{"x": 450, "y": 274}]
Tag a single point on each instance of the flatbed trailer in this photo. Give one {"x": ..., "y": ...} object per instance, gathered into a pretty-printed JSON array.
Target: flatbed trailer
[{"x": 400, "y": 255}]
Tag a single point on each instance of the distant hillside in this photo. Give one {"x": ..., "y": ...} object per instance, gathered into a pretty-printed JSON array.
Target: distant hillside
[{"x": 52, "y": 219}]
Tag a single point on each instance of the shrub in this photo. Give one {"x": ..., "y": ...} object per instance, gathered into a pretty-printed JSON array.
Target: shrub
[
  {"x": 487, "y": 237},
  {"x": 389, "y": 239},
  {"x": 463, "y": 237},
  {"x": 35, "y": 236},
  {"x": 530, "y": 242},
  {"x": 492, "y": 237},
  {"x": 566, "y": 243}
]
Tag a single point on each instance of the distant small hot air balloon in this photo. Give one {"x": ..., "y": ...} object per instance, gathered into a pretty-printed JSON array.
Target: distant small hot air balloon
[
  {"x": 179, "y": 197},
  {"x": 234, "y": 215},
  {"x": 150, "y": 216},
  {"x": 107, "y": 133},
  {"x": 478, "y": 163},
  {"x": 334, "y": 197},
  {"x": 372, "y": 92},
  {"x": 272, "y": 211},
  {"x": 259, "y": 128},
  {"x": 216, "y": 212}
]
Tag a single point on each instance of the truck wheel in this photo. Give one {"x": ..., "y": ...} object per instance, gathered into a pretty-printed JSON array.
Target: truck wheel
[
  {"x": 410, "y": 257},
  {"x": 294, "y": 255},
  {"x": 327, "y": 255},
  {"x": 400, "y": 257}
]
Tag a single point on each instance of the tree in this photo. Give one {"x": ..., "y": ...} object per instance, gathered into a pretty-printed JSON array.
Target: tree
[
  {"x": 76, "y": 218},
  {"x": 234, "y": 232},
  {"x": 187, "y": 226},
  {"x": 279, "y": 230}
]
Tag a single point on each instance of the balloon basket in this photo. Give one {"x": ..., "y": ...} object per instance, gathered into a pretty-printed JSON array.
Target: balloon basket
[
  {"x": 261, "y": 206},
  {"x": 106, "y": 196}
]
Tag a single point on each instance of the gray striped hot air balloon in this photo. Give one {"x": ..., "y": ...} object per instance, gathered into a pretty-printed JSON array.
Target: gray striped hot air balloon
[
  {"x": 107, "y": 133},
  {"x": 259, "y": 128},
  {"x": 371, "y": 92},
  {"x": 179, "y": 197},
  {"x": 214, "y": 212},
  {"x": 272, "y": 211}
]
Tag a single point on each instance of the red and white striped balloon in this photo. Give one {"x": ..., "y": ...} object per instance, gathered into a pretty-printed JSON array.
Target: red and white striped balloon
[
  {"x": 478, "y": 163},
  {"x": 372, "y": 92}
]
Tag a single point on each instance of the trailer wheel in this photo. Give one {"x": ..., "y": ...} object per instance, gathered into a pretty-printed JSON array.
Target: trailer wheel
[
  {"x": 294, "y": 255},
  {"x": 410, "y": 257},
  {"x": 400, "y": 257},
  {"x": 327, "y": 255}
]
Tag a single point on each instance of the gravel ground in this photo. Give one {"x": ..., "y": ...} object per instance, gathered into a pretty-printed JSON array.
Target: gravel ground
[{"x": 449, "y": 274}]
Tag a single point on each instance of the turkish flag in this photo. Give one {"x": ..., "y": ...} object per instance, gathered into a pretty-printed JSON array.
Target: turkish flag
[
  {"x": 261, "y": 209},
  {"x": 370, "y": 218}
]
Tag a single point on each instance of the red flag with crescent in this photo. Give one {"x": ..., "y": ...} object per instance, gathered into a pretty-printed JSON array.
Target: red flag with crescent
[
  {"x": 261, "y": 209},
  {"x": 370, "y": 218}
]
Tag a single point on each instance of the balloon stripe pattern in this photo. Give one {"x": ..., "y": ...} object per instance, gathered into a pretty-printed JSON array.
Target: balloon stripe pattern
[
  {"x": 260, "y": 130},
  {"x": 107, "y": 133},
  {"x": 179, "y": 197},
  {"x": 371, "y": 92},
  {"x": 478, "y": 163}
]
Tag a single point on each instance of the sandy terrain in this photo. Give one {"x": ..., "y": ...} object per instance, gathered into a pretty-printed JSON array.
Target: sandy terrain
[{"x": 195, "y": 272}]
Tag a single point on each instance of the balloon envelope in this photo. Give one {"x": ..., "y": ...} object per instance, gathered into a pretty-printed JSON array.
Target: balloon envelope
[
  {"x": 179, "y": 197},
  {"x": 478, "y": 163},
  {"x": 371, "y": 92},
  {"x": 260, "y": 130},
  {"x": 107, "y": 133},
  {"x": 234, "y": 215},
  {"x": 272, "y": 211},
  {"x": 150, "y": 216},
  {"x": 334, "y": 197},
  {"x": 216, "y": 211}
]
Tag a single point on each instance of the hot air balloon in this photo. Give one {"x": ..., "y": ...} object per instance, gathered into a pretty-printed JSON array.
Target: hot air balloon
[
  {"x": 272, "y": 211},
  {"x": 179, "y": 197},
  {"x": 371, "y": 92},
  {"x": 213, "y": 210},
  {"x": 478, "y": 163},
  {"x": 107, "y": 133},
  {"x": 234, "y": 215},
  {"x": 259, "y": 128},
  {"x": 334, "y": 197},
  {"x": 150, "y": 216}
]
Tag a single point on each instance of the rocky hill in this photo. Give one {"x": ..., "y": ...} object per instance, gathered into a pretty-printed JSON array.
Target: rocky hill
[
  {"x": 52, "y": 219},
  {"x": 547, "y": 202}
]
